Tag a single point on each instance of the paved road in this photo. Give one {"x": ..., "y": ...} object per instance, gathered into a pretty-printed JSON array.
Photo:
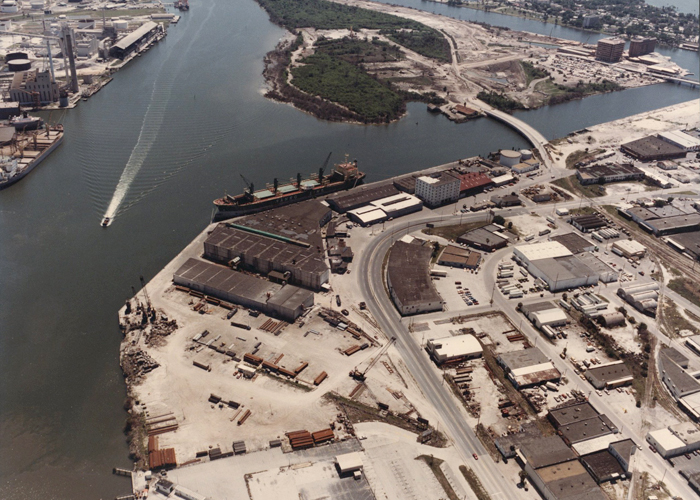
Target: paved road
[{"x": 418, "y": 362}]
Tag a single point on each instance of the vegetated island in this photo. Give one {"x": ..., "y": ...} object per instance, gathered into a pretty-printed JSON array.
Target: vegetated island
[{"x": 331, "y": 80}]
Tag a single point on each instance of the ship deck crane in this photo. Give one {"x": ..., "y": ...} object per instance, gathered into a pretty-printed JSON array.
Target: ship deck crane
[
  {"x": 321, "y": 170},
  {"x": 360, "y": 376},
  {"x": 251, "y": 187}
]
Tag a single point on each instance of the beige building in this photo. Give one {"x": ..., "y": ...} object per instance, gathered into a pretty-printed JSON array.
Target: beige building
[{"x": 33, "y": 87}]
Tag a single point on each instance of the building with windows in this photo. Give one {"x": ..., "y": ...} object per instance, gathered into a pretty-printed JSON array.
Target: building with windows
[
  {"x": 438, "y": 189},
  {"x": 609, "y": 50},
  {"x": 640, "y": 46},
  {"x": 33, "y": 88}
]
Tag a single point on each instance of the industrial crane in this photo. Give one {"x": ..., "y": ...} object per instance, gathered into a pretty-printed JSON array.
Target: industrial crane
[
  {"x": 251, "y": 188},
  {"x": 360, "y": 376},
  {"x": 321, "y": 170}
]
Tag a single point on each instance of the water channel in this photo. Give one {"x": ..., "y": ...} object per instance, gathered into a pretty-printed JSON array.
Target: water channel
[{"x": 196, "y": 98}]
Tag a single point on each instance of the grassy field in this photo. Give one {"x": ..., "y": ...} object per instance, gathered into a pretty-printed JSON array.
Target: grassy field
[
  {"x": 345, "y": 84},
  {"x": 499, "y": 101},
  {"x": 572, "y": 184},
  {"x": 533, "y": 72},
  {"x": 559, "y": 93},
  {"x": 360, "y": 51},
  {"x": 322, "y": 14},
  {"x": 687, "y": 289}
]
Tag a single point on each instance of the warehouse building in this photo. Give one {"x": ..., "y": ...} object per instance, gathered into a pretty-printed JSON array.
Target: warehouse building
[
  {"x": 609, "y": 50},
  {"x": 487, "y": 238},
  {"x": 525, "y": 167},
  {"x": 285, "y": 239},
  {"x": 611, "y": 172},
  {"x": 287, "y": 302},
  {"x": 408, "y": 279},
  {"x": 574, "y": 243},
  {"x": 613, "y": 319},
  {"x": 651, "y": 149},
  {"x": 528, "y": 367},
  {"x": 680, "y": 139},
  {"x": 553, "y": 263},
  {"x": 644, "y": 298},
  {"x": 502, "y": 180},
  {"x": 506, "y": 200},
  {"x": 360, "y": 196},
  {"x": 510, "y": 443},
  {"x": 686, "y": 243},
  {"x": 630, "y": 249},
  {"x": 603, "y": 466},
  {"x": 398, "y": 205},
  {"x": 609, "y": 375},
  {"x": 367, "y": 215},
  {"x": 675, "y": 440},
  {"x": 584, "y": 430},
  {"x": 135, "y": 40},
  {"x": 544, "y": 314},
  {"x": 438, "y": 189},
  {"x": 454, "y": 256},
  {"x": 473, "y": 182},
  {"x": 673, "y": 225},
  {"x": 453, "y": 349},
  {"x": 623, "y": 451},
  {"x": 588, "y": 223},
  {"x": 678, "y": 382},
  {"x": 565, "y": 481}
]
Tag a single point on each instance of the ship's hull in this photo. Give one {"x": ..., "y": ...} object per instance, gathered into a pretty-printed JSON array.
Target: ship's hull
[
  {"x": 33, "y": 164},
  {"x": 226, "y": 211}
]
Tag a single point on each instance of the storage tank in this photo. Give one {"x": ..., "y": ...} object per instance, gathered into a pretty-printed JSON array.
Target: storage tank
[
  {"x": 19, "y": 65},
  {"x": 16, "y": 55},
  {"x": 525, "y": 154},
  {"x": 121, "y": 25},
  {"x": 509, "y": 158}
]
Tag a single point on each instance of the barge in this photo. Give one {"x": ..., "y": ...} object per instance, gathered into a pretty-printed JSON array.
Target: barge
[{"x": 25, "y": 151}]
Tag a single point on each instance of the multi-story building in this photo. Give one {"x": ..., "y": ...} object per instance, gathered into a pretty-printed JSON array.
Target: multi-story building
[
  {"x": 640, "y": 46},
  {"x": 32, "y": 87},
  {"x": 609, "y": 50},
  {"x": 438, "y": 189}
]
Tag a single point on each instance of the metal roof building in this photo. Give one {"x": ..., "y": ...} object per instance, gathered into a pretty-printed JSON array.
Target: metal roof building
[
  {"x": 609, "y": 375},
  {"x": 574, "y": 243},
  {"x": 459, "y": 347},
  {"x": 652, "y": 148},
  {"x": 131, "y": 42},
  {"x": 286, "y": 302},
  {"x": 359, "y": 196},
  {"x": 408, "y": 278}
]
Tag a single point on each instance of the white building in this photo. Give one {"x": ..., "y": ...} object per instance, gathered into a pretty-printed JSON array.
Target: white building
[
  {"x": 675, "y": 440},
  {"x": 367, "y": 215},
  {"x": 630, "y": 248},
  {"x": 453, "y": 348},
  {"x": 680, "y": 139},
  {"x": 438, "y": 189},
  {"x": 10, "y": 7},
  {"x": 349, "y": 462},
  {"x": 398, "y": 205},
  {"x": 521, "y": 168},
  {"x": 509, "y": 158}
]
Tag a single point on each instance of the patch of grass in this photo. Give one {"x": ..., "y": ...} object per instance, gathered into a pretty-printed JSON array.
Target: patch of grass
[
  {"x": 426, "y": 42},
  {"x": 533, "y": 72},
  {"x": 453, "y": 232},
  {"x": 360, "y": 51},
  {"x": 674, "y": 320},
  {"x": 474, "y": 483},
  {"x": 343, "y": 83},
  {"x": 682, "y": 192},
  {"x": 487, "y": 441},
  {"x": 686, "y": 288},
  {"x": 434, "y": 464},
  {"x": 580, "y": 155},
  {"x": 573, "y": 185},
  {"x": 499, "y": 101},
  {"x": 581, "y": 90}
]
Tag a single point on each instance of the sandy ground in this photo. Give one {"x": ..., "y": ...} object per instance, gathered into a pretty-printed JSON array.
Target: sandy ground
[{"x": 611, "y": 134}]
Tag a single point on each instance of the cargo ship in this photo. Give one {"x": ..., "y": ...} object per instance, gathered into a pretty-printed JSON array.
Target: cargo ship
[
  {"x": 26, "y": 151},
  {"x": 344, "y": 176}
]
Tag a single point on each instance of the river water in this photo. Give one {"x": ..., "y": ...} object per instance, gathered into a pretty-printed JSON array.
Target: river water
[{"x": 188, "y": 117}]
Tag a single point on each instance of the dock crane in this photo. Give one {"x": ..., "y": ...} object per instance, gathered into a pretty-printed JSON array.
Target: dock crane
[
  {"x": 251, "y": 187},
  {"x": 321, "y": 170},
  {"x": 360, "y": 376}
]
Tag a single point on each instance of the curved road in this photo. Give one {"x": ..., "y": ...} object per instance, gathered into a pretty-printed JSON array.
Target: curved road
[{"x": 418, "y": 362}]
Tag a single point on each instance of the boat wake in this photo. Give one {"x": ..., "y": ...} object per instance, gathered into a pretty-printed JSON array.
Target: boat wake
[{"x": 151, "y": 126}]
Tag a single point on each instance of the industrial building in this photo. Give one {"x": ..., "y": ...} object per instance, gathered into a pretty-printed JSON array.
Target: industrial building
[
  {"x": 135, "y": 40},
  {"x": 453, "y": 349},
  {"x": 609, "y": 50},
  {"x": 629, "y": 249},
  {"x": 287, "y": 302},
  {"x": 408, "y": 278},
  {"x": 360, "y": 196},
  {"x": 487, "y": 238},
  {"x": 284, "y": 239},
  {"x": 574, "y": 243},
  {"x": 553, "y": 263},
  {"x": 611, "y": 172},
  {"x": 640, "y": 46},
  {"x": 454, "y": 256},
  {"x": 603, "y": 466},
  {"x": 652, "y": 148},
  {"x": 525, "y": 166},
  {"x": 506, "y": 200},
  {"x": 680, "y": 139},
  {"x": 678, "y": 382},
  {"x": 663, "y": 220},
  {"x": 644, "y": 298},
  {"x": 398, "y": 205},
  {"x": 588, "y": 223},
  {"x": 543, "y": 314},
  {"x": 502, "y": 180},
  {"x": 584, "y": 430},
  {"x": 473, "y": 182},
  {"x": 33, "y": 88},
  {"x": 609, "y": 375},
  {"x": 675, "y": 440},
  {"x": 528, "y": 367},
  {"x": 367, "y": 215},
  {"x": 438, "y": 189},
  {"x": 612, "y": 319}
]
